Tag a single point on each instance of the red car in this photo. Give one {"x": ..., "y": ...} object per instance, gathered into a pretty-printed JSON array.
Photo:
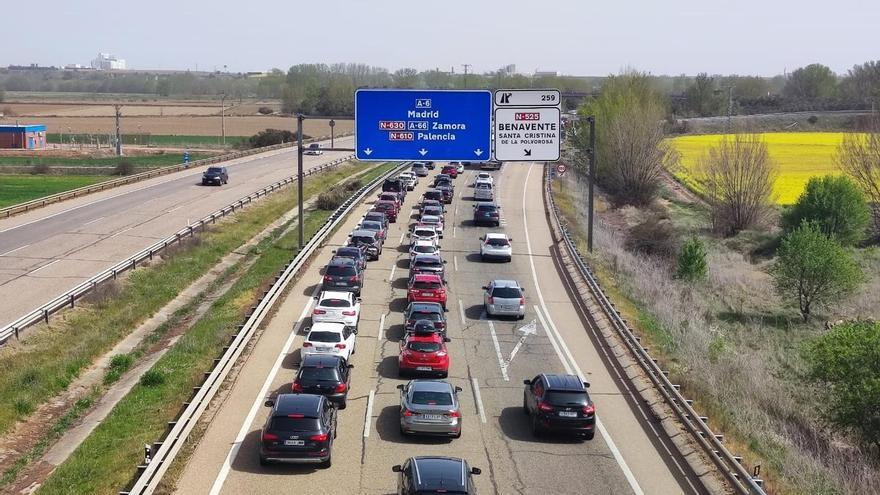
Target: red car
[
  {"x": 391, "y": 196},
  {"x": 425, "y": 287},
  {"x": 424, "y": 353},
  {"x": 389, "y": 208},
  {"x": 450, "y": 170}
]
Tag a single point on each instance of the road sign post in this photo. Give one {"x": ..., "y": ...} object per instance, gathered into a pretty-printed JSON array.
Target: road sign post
[
  {"x": 436, "y": 125},
  {"x": 527, "y": 125}
]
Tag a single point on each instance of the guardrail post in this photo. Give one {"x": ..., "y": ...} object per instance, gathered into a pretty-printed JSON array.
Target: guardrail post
[
  {"x": 46, "y": 316},
  {"x": 71, "y": 300}
]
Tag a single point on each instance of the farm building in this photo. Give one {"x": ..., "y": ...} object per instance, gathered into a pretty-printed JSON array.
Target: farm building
[{"x": 23, "y": 137}]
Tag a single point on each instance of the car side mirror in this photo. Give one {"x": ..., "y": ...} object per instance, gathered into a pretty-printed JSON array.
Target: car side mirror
[
  {"x": 485, "y": 287},
  {"x": 349, "y": 235},
  {"x": 447, "y": 339},
  {"x": 527, "y": 382},
  {"x": 269, "y": 403},
  {"x": 334, "y": 251},
  {"x": 315, "y": 298},
  {"x": 359, "y": 299},
  {"x": 307, "y": 329},
  {"x": 444, "y": 262},
  {"x": 354, "y": 331},
  {"x": 400, "y": 387},
  {"x": 441, "y": 236},
  {"x": 476, "y": 471},
  {"x": 482, "y": 238},
  {"x": 586, "y": 384},
  {"x": 397, "y": 468},
  {"x": 458, "y": 389},
  {"x": 350, "y": 366}
]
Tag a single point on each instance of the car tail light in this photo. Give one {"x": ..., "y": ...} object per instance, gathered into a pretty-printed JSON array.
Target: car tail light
[
  {"x": 545, "y": 407},
  {"x": 340, "y": 346},
  {"x": 319, "y": 312},
  {"x": 319, "y": 438},
  {"x": 522, "y": 301},
  {"x": 297, "y": 387},
  {"x": 454, "y": 414},
  {"x": 491, "y": 300},
  {"x": 407, "y": 412},
  {"x": 307, "y": 344},
  {"x": 341, "y": 388},
  {"x": 270, "y": 437},
  {"x": 589, "y": 410},
  {"x": 348, "y": 313},
  {"x": 327, "y": 278},
  {"x": 354, "y": 279}
]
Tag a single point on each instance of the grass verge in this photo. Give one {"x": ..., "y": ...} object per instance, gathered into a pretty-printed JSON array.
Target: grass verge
[
  {"x": 16, "y": 189},
  {"x": 169, "y": 140},
  {"x": 140, "y": 161}
]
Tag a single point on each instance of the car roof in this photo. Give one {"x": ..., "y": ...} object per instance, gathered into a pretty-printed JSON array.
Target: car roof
[
  {"x": 427, "y": 277},
  {"x": 432, "y": 337},
  {"x": 327, "y": 326},
  {"x": 430, "y": 217},
  {"x": 333, "y": 294},
  {"x": 320, "y": 361},
  {"x": 439, "y": 472},
  {"x": 424, "y": 242},
  {"x": 349, "y": 249},
  {"x": 341, "y": 261},
  {"x": 564, "y": 382},
  {"x": 505, "y": 283},
  {"x": 430, "y": 385},
  {"x": 305, "y": 404},
  {"x": 370, "y": 233},
  {"x": 429, "y": 307},
  {"x": 427, "y": 256}
]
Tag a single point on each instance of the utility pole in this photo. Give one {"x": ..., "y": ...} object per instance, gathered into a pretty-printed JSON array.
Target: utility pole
[
  {"x": 299, "y": 175},
  {"x": 118, "y": 133},
  {"x": 223, "y": 117},
  {"x": 466, "y": 67},
  {"x": 592, "y": 174}
]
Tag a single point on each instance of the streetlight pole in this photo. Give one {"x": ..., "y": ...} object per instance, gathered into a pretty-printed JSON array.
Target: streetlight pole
[
  {"x": 466, "y": 67},
  {"x": 332, "y": 136},
  {"x": 118, "y": 134},
  {"x": 223, "y": 117},
  {"x": 299, "y": 175},
  {"x": 591, "y": 155}
]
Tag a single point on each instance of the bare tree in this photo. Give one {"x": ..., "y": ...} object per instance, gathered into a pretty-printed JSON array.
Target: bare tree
[
  {"x": 737, "y": 176},
  {"x": 859, "y": 156}
]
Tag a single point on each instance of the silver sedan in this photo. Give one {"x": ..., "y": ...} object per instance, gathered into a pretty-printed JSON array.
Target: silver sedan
[{"x": 430, "y": 407}]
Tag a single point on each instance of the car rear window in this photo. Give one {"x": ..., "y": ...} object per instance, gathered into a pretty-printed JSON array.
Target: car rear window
[
  {"x": 428, "y": 262},
  {"x": 506, "y": 292},
  {"x": 424, "y": 249},
  {"x": 497, "y": 242},
  {"x": 376, "y": 217},
  {"x": 433, "y": 210},
  {"x": 294, "y": 424},
  {"x": 486, "y": 207},
  {"x": 320, "y": 336},
  {"x": 559, "y": 398},
  {"x": 362, "y": 239},
  {"x": 423, "y": 346},
  {"x": 214, "y": 170},
  {"x": 425, "y": 398},
  {"x": 426, "y": 285},
  {"x": 433, "y": 194},
  {"x": 483, "y": 185},
  {"x": 426, "y": 316},
  {"x": 334, "y": 303},
  {"x": 347, "y": 252},
  {"x": 424, "y": 233},
  {"x": 318, "y": 374},
  {"x": 341, "y": 271}
]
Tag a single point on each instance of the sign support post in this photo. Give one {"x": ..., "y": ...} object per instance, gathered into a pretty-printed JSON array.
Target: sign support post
[
  {"x": 299, "y": 177},
  {"x": 591, "y": 155}
]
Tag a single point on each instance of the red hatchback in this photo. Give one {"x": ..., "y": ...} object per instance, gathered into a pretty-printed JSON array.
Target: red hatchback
[
  {"x": 389, "y": 208},
  {"x": 424, "y": 353},
  {"x": 450, "y": 170},
  {"x": 425, "y": 287}
]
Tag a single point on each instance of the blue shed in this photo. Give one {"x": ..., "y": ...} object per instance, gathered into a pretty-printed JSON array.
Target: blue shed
[{"x": 23, "y": 137}]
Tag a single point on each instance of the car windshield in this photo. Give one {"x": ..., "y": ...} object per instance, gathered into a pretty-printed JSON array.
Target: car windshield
[
  {"x": 430, "y": 220},
  {"x": 423, "y": 233},
  {"x": 334, "y": 303},
  {"x": 295, "y": 424},
  {"x": 433, "y": 210},
  {"x": 320, "y": 336},
  {"x": 434, "y": 195},
  {"x": 423, "y": 346},
  {"x": 341, "y": 271},
  {"x": 425, "y": 285},
  {"x": 506, "y": 292},
  {"x": 497, "y": 242},
  {"x": 361, "y": 239},
  {"x": 214, "y": 170},
  {"x": 559, "y": 398},
  {"x": 318, "y": 374},
  {"x": 314, "y": 146},
  {"x": 376, "y": 217},
  {"x": 425, "y": 398},
  {"x": 384, "y": 206}
]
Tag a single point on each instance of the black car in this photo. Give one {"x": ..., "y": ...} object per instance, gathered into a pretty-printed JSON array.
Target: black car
[
  {"x": 357, "y": 253},
  {"x": 328, "y": 375},
  {"x": 377, "y": 216},
  {"x": 425, "y": 475},
  {"x": 394, "y": 185},
  {"x": 427, "y": 263},
  {"x": 433, "y": 194},
  {"x": 430, "y": 202},
  {"x": 430, "y": 311},
  {"x": 432, "y": 210},
  {"x": 429, "y": 165},
  {"x": 447, "y": 191},
  {"x": 559, "y": 403},
  {"x": 487, "y": 213},
  {"x": 300, "y": 429},
  {"x": 343, "y": 274},
  {"x": 215, "y": 175},
  {"x": 442, "y": 178},
  {"x": 369, "y": 239}
]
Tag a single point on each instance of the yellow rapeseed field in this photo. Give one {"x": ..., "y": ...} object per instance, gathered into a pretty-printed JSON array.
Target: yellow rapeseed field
[{"x": 798, "y": 156}]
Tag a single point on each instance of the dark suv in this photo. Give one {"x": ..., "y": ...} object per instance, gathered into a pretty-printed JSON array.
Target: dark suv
[
  {"x": 343, "y": 274},
  {"x": 369, "y": 239},
  {"x": 329, "y": 376},
  {"x": 430, "y": 311},
  {"x": 559, "y": 403},
  {"x": 300, "y": 429},
  {"x": 215, "y": 175},
  {"x": 357, "y": 253},
  {"x": 422, "y": 475},
  {"x": 427, "y": 263},
  {"x": 394, "y": 185},
  {"x": 487, "y": 213}
]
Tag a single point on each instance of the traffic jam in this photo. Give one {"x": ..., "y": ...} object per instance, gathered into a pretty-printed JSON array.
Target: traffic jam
[{"x": 302, "y": 424}]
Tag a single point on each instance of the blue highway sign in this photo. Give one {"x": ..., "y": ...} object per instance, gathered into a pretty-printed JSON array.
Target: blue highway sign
[{"x": 435, "y": 125}]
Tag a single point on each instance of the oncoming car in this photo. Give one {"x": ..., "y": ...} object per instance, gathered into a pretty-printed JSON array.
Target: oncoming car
[{"x": 314, "y": 149}]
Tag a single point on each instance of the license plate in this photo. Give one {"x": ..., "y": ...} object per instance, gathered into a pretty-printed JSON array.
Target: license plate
[
  {"x": 423, "y": 368},
  {"x": 568, "y": 414},
  {"x": 428, "y": 294},
  {"x": 432, "y": 417},
  {"x": 322, "y": 349},
  {"x": 295, "y": 443},
  {"x": 509, "y": 308},
  {"x": 341, "y": 284}
]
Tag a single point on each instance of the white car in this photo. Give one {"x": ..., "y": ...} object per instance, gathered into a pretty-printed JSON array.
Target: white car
[
  {"x": 424, "y": 233},
  {"x": 459, "y": 169},
  {"x": 423, "y": 247},
  {"x": 484, "y": 177},
  {"x": 337, "y": 307},
  {"x": 409, "y": 180},
  {"x": 483, "y": 191},
  {"x": 496, "y": 246},
  {"x": 313, "y": 149},
  {"x": 419, "y": 169},
  {"x": 329, "y": 339},
  {"x": 434, "y": 221}
]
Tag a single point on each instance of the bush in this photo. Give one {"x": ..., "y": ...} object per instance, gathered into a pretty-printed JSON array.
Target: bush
[
  {"x": 265, "y": 110},
  {"x": 834, "y": 204},
  {"x": 692, "y": 260},
  {"x": 332, "y": 199},
  {"x": 272, "y": 136},
  {"x": 124, "y": 167},
  {"x": 353, "y": 185},
  {"x": 813, "y": 269},
  {"x": 813, "y": 119},
  {"x": 654, "y": 236},
  {"x": 152, "y": 378},
  {"x": 41, "y": 169},
  {"x": 119, "y": 364},
  {"x": 845, "y": 364}
]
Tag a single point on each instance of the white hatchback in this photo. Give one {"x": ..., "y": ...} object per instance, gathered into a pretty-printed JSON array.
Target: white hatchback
[
  {"x": 496, "y": 246},
  {"x": 424, "y": 233},
  {"x": 338, "y": 307},
  {"x": 484, "y": 177},
  {"x": 330, "y": 339},
  {"x": 423, "y": 247}
]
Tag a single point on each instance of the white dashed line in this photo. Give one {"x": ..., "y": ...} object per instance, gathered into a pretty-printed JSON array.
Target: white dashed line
[
  {"x": 454, "y": 231},
  {"x": 461, "y": 312},
  {"x": 391, "y": 277},
  {"x": 368, "y": 418},
  {"x": 455, "y": 262},
  {"x": 498, "y": 351},
  {"x": 44, "y": 266},
  {"x": 479, "y": 400},
  {"x": 381, "y": 327},
  {"x": 93, "y": 221},
  {"x": 124, "y": 231},
  {"x": 14, "y": 250},
  {"x": 402, "y": 235}
]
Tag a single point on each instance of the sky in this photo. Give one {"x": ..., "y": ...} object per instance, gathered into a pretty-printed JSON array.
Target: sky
[{"x": 761, "y": 37}]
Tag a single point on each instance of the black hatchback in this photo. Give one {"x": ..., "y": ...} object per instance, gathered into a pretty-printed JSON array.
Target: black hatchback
[
  {"x": 559, "y": 403},
  {"x": 429, "y": 311},
  {"x": 329, "y": 376},
  {"x": 300, "y": 429},
  {"x": 423, "y": 475},
  {"x": 357, "y": 253},
  {"x": 343, "y": 274}
]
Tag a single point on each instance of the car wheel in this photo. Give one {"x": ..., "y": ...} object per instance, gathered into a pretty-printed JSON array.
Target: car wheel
[
  {"x": 520, "y": 317},
  {"x": 536, "y": 428},
  {"x": 525, "y": 406},
  {"x": 264, "y": 461},
  {"x": 403, "y": 432},
  {"x": 509, "y": 259},
  {"x": 329, "y": 462},
  {"x": 444, "y": 374},
  {"x": 457, "y": 435},
  {"x": 343, "y": 404}
]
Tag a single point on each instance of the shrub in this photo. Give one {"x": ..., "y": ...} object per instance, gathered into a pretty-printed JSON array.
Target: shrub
[
  {"x": 834, "y": 204},
  {"x": 124, "y": 167},
  {"x": 332, "y": 199},
  {"x": 41, "y": 169},
  {"x": 654, "y": 236},
  {"x": 152, "y": 378},
  {"x": 119, "y": 364},
  {"x": 265, "y": 110},
  {"x": 353, "y": 185},
  {"x": 813, "y": 269},
  {"x": 270, "y": 137},
  {"x": 813, "y": 119},
  {"x": 845, "y": 364},
  {"x": 692, "y": 260}
]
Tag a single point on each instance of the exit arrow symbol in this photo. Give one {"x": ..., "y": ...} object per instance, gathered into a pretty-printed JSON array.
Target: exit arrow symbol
[
  {"x": 530, "y": 329},
  {"x": 478, "y": 152},
  {"x": 368, "y": 152},
  {"x": 423, "y": 152},
  {"x": 527, "y": 152}
]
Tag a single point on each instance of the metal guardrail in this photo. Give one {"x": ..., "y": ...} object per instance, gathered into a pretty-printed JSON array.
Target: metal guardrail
[
  {"x": 130, "y": 179},
  {"x": 166, "y": 450},
  {"x": 729, "y": 465},
  {"x": 69, "y": 298}
]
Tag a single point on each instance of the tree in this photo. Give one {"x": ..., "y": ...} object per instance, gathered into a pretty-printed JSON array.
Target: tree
[
  {"x": 813, "y": 269},
  {"x": 2, "y": 95},
  {"x": 811, "y": 82},
  {"x": 701, "y": 97},
  {"x": 863, "y": 81},
  {"x": 845, "y": 364},
  {"x": 859, "y": 156},
  {"x": 692, "y": 260},
  {"x": 835, "y": 205},
  {"x": 737, "y": 176}
]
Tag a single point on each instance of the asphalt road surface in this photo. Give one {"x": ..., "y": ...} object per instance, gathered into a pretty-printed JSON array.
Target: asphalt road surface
[
  {"x": 47, "y": 252},
  {"x": 623, "y": 458}
]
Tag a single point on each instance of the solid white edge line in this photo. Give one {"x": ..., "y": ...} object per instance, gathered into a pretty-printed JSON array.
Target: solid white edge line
[
  {"x": 258, "y": 401},
  {"x": 44, "y": 266},
  {"x": 627, "y": 472},
  {"x": 368, "y": 417},
  {"x": 14, "y": 250},
  {"x": 461, "y": 313},
  {"x": 498, "y": 351},
  {"x": 479, "y": 398},
  {"x": 381, "y": 327}
]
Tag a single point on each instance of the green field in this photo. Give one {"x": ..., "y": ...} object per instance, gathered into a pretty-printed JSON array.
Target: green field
[
  {"x": 16, "y": 189},
  {"x": 141, "y": 161},
  {"x": 174, "y": 141}
]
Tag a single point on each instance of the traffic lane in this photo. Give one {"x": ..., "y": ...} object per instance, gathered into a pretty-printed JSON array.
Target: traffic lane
[
  {"x": 650, "y": 463},
  {"x": 565, "y": 464}
]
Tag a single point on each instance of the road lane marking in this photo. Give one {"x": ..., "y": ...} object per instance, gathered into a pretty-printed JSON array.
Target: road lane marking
[
  {"x": 461, "y": 312},
  {"x": 174, "y": 209},
  {"x": 393, "y": 267},
  {"x": 402, "y": 235},
  {"x": 260, "y": 398},
  {"x": 44, "y": 266},
  {"x": 126, "y": 230},
  {"x": 501, "y": 363},
  {"x": 93, "y": 221},
  {"x": 455, "y": 262},
  {"x": 627, "y": 472},
  {"x": 454, "y": 230},
  {"x": 479, "y": 400},
  {"x": 14, "y": 250},
  {"x": 368, "y": 418},
  {"x": 381, "y": 326}
]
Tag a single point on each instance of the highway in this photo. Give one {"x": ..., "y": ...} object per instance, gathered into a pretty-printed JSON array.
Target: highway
[
  {"x": 50, "y": 250},
  {"x": 624, "y": 457}
]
